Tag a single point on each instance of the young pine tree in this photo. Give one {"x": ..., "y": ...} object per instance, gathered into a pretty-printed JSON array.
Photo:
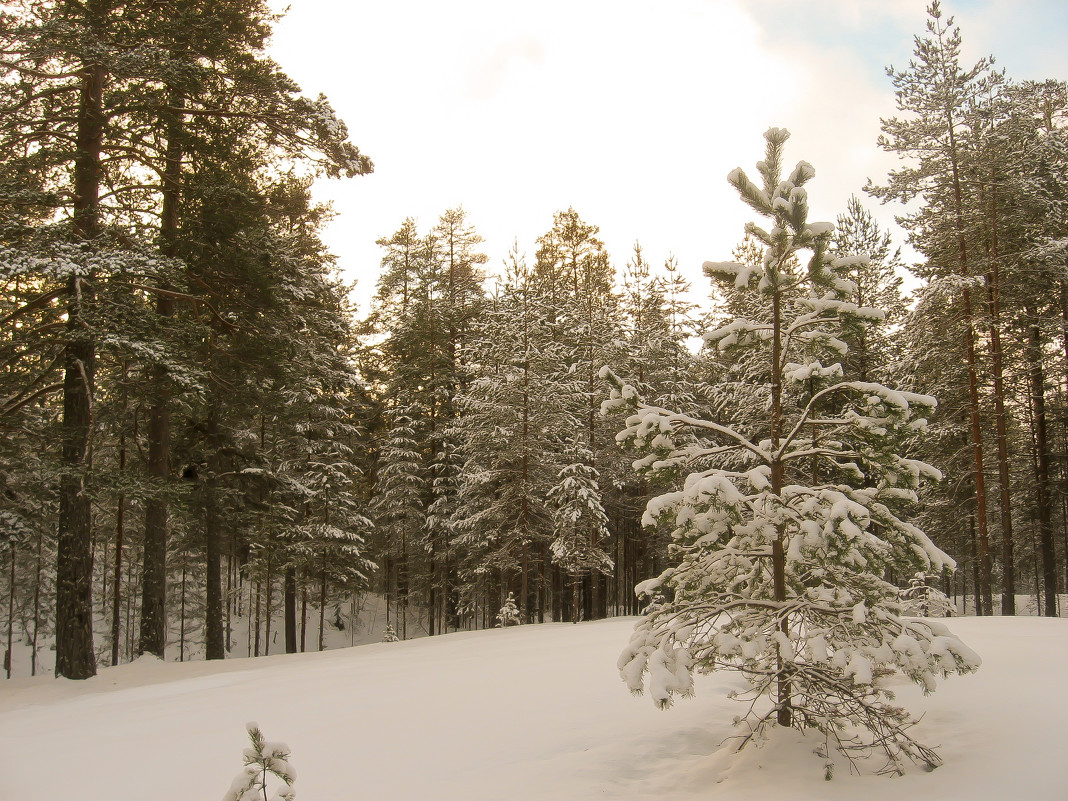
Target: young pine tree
[{"x": 782, "y": 539}]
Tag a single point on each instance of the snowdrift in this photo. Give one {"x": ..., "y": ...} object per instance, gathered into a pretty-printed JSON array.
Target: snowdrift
[{"x": 533, "y": 712}]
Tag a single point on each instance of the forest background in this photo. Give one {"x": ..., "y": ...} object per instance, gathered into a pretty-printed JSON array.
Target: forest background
[{"x": 199, "y": 427}]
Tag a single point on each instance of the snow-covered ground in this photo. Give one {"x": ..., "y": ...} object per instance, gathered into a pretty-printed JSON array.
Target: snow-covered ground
[{"x": 534, "y": 712}]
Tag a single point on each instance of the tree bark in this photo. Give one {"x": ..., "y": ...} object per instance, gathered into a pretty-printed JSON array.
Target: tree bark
[
  {"x": 75, "y": 655},
  {"x": 289, "y": 593},
  {"x": 214, "y": 634},
  {"x": 120, "y": 530},
  {"x": 1042, "y": 489},
  {"x": 1008, "y": 580},
  {"x": 154, "y": 585}
]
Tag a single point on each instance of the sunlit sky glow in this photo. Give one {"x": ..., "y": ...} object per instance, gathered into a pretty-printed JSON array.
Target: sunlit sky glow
[{"x": 631, "y": 112}]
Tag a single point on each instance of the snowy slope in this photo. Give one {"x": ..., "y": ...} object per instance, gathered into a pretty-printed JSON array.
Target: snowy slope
[{"x": 535, "y": 712}]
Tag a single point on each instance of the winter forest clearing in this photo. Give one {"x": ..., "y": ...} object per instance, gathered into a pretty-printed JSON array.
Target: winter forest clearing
[
  {"x": 792, "y": 470},
  {"x": 526, "y": 713}
]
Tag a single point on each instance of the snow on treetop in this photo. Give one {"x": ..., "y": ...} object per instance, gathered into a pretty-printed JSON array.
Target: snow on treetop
[
  {"x": 776, "y": 135},
  {"x": 802, "y": 172},
  {"x": 741, "y": 273},
  {"x": 859, "y": 260},
  {"x": 829, "y": 304},
  {"x": 803, "y": 372}
]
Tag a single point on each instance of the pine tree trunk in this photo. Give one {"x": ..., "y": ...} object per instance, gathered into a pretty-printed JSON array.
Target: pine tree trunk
[
  {"x": 259, "y": 592},
  {"x": 267, "y": 608},
  {"x": 290, "y": 602},
  {"x": 181, "y": 615},
  {"x": 523, "y": 585},
  {"x": 10, "y": 654},
  {"x": 322, "y": 607},
  {"x": 37, "y": 602},
  {"x": 153, "y": 638},
  {"x": 75, "y": 656},
  {"x": 303, "y": 618},
  {"x": 1008, "y": 582},
  {"x": 1042, "y": 488},
  {"x": 154, "y": 585},
  {"x": 214, "y": 645},
  {"x": 120, "y": 530}
]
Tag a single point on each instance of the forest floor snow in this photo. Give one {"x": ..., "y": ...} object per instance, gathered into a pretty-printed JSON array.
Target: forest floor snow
[{"x": 532, "y": 712}]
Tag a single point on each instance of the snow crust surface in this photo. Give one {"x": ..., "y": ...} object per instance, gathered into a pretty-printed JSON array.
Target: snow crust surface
[{"x": 529, "y": 712}]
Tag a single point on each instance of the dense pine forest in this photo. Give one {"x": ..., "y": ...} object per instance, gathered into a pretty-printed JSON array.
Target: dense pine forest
[{"x": 196, "y": 426}]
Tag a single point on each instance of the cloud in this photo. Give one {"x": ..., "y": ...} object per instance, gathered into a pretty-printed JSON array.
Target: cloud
[{"x": 631, "y": 112}]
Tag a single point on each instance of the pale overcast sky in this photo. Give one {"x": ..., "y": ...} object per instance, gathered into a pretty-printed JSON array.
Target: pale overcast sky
[{"x": 631, "y": 112}]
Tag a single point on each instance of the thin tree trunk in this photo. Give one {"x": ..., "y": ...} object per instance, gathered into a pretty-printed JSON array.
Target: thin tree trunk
[
  {"x": 10, "y": 654},
  {"x": 267, "y": 608},
  {"x": 1008, "y": 581},
  {"x": 129, "y": 606},
  {"x": 259, "y": 594},
  {"x": 37, "y": 601},
  {"x": 978, "y": 607},
  {"x": 322, "y": 606},
  {"x": 120, "y": 531},
  {"x": 250, "y": 618},
  {"x": 289, "y": 593},
  {"x": 303, "y": 618},
  {"x": 1042, "y": 488},
  {"x": 214, "y": 645},
  {"x": 181, "y": 616}
]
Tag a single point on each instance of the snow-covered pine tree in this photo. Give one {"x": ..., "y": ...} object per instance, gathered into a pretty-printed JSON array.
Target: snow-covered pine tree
[
  {"x": 399, "y": 509},
  {"x": 878, "y": 285},
  {"x": 508, "y": 614},
  {"x": 262, "y": 759},
  {"x": 579, "y": 281},
  {"x": 920, "y": 598},
  {"x": 779, "y": 576},
  {"x": 579, "y": 522},
  {"x": 515, "y": 416}
]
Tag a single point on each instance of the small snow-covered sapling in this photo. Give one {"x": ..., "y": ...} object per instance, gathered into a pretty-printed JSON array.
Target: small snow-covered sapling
[
  {"x": 509, "y": 614},
  {"x": 261, "y": 759}
]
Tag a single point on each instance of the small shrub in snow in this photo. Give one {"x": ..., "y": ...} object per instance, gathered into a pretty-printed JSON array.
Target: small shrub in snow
[
  {"x": 262, "y": 759},
  {"x": 509, "y": 614},
  {"x": 390, "y": 634},
  {"x": 922, "y": 600}
]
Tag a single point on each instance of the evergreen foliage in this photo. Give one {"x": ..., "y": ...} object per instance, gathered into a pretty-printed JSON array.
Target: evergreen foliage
[
  {"x": 782, "y": 536},
  {"x": 508, "y": 614},
  {"x": 264, "y": 758}
]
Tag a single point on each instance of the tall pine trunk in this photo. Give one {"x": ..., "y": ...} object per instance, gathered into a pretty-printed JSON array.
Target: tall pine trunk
[
  {"x": 75, "y": 656},
  {"x": 1008, "y": 580},
  {"x": 984, "y": 591},
  {"x": 120, "y": 531},
  {"x": 1043, "y": 495},
  {"x": 214, "y": 634},
  {"x": 154, "y": 585},
  {"x": 289, "y": 603}
]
